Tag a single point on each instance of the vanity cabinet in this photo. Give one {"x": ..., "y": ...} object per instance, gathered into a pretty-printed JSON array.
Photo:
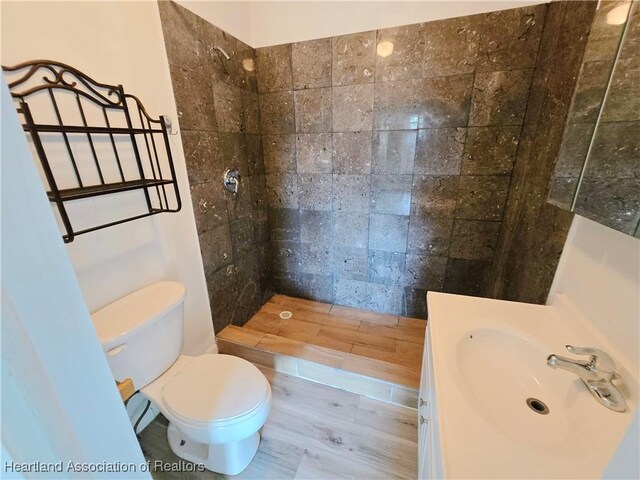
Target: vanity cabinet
[{"x": 429, "y": 457}]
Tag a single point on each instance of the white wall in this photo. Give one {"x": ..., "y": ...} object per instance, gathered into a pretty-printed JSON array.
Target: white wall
[
  {"x": 59, "y": 400},
  {"x": 120, "y": 43},
  {"x": 230, "y": 16},
  {"x": 274, "y": 23},
  {"x": 599, "y": 273},
  {"x": 264, "y": 23}
]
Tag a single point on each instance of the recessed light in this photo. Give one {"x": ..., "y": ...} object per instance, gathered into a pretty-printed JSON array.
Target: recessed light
[{"x": 385, "y": 49}]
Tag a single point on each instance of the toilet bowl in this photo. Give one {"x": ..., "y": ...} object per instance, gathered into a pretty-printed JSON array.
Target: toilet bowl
[{"x": 215, "y": 404}]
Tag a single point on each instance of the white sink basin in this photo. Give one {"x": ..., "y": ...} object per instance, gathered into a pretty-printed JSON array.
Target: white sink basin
[
  {"x": 489, "y": 358},
  {"x": 518, "y": 372}
]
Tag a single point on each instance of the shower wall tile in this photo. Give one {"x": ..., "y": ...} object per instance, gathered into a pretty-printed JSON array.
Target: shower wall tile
[
  {"x": 391, "y": 194},
  {"x": 228, "y": 107},
  {"x": 282, "y": 190},
  {"x": 406, "y": 60},
  {"x": 248, "y": 69},
  {"x": 218, "y": 113},
  {"x": 285, "y": 257},
  {"x": 315, "y": 259},
  {"x": 490, "y": 150},
  {"x": 426, "y": 272},
  {"x": 277, "y": 113},
  {"x": 385, "y": 298},
  {"x": 216, "y": 248},
  {"x": 352, "y": 108},
  {"x": 399, "y": 105},
  {"x": 350, "y": 263},
  {"x": 313, "y": 110},
  {"x": 434, "y": 196},
  {"x": 350, "y": 229},
  {"x": 466, "y": 277},
  {"x": 284, "y": 224},
  {"x": 534, "y": 231},
  {"x": 315, "y": 191},
  {"x": 394, "y": 152},
  {"x": 184, "y": 35},
  {"x": 510, "y": 39},
  {"x": 250, "y": 112},
  {"x": 351, "y": 193},
  {"x": 209, "y": 206},
  {"x": 423, "y": 103},
  {"x": 274, "y": 68},
  {"x": 429, "y": 235},
  {"x": 353, "y": 58},
  {"x": 317, "y": 286},
  {"x": 243, "y": 234},
  {"x": 500, "y": 98},
  {"x": 352, "y": 152},
  {"x": 194, "y": 102},
  {"x": 255, "y": 158},
  {"x": 314, "y": 152},
  {"x": 199, "y": 149},
  {"x": 351, "y": 293},
  {"x": 447, "y": 101},
  {"x": 482, "y": 197},
  {"x": 388, "y": 232},
  {"x": 316, "y": 227},
  {"x": 399, "y": 166},
  {"x": 474, "y": 240},
  {"x": 279, "y": 153},
  {"x": 415, "y": 302},
  {"x": 311, "y": 64},
  {"x": 451, "y": 46},
  {"x": 439, "y": 151},
  {"x": 386, "y": 267}
]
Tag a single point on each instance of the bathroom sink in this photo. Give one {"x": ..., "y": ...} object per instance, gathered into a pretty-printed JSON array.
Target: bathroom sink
[
  {"x": 505, "y": 379},
  {"x": 502, "y": 412}
]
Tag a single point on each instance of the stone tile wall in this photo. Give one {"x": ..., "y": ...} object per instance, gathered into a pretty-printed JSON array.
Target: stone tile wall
[
  {"x": 606, "y": 108},
  {"x": 217, "y": 104},
  {"x": 534, "y": 231},
  {"x": 388, "y": 176}
]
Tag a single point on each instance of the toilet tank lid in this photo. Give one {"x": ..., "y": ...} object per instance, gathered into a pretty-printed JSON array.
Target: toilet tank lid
[{"x": 142, "y": 307}]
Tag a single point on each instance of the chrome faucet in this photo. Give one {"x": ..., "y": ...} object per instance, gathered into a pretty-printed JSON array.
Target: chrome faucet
[{"x": 597, "y": 374}]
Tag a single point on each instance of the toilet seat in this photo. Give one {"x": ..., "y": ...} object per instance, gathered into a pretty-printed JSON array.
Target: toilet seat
[
  {"x": 214, "y": 389},
  {"x": 213, "y": 398}
]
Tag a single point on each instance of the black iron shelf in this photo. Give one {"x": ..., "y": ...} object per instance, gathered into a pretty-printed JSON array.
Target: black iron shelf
[
  {"x": 98, "y": 130},
  {"x": 96, "y": 190},
  {"x": 47, "y": 89}
]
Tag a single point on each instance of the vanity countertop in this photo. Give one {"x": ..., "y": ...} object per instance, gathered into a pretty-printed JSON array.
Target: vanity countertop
[{"x": 489, "y": 357}]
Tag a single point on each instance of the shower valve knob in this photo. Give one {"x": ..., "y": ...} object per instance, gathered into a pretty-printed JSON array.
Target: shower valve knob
[{"x": 232, "y": 180}]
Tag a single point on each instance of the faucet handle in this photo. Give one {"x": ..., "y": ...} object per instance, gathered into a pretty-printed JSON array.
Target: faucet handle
[{"x": 600, "y": 361}]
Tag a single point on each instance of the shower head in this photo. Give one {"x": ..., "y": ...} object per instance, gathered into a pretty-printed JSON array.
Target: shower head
[{"x": 226, "y": 55}]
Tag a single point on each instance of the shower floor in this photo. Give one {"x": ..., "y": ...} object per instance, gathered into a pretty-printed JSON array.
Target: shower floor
[{"x": 384, "y": 347}]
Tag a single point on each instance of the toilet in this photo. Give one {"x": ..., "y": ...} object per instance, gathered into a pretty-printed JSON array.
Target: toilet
[{"x": 215, "y": 404}]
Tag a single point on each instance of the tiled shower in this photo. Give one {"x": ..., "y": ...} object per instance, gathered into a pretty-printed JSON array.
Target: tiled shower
[{"x": 376, "y": 166}]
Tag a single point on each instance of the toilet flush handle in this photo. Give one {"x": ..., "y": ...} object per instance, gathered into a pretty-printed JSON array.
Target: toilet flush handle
[{"x": 117, "y": 350}]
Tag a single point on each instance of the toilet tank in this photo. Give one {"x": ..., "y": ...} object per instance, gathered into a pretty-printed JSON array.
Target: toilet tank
[{"x": 141, "y": 333}]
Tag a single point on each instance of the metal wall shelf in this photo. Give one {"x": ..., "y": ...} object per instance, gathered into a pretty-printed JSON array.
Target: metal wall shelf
[{"x": 122, "y": 152}]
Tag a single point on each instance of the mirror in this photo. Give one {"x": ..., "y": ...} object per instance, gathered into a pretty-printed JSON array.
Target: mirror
[{"x": 597, "y": 173}]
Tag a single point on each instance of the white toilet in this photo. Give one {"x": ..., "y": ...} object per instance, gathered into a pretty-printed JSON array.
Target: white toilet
[{"x": 215, "y": 404}]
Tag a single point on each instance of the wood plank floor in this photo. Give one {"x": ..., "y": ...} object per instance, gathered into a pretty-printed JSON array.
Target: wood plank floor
[
  {"x": 387, "y": 347},
  {"x": 315, "y": 432}
]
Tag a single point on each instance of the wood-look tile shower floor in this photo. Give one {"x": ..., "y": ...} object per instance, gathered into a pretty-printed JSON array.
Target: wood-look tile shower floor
[{"x": 377, "y": 355}]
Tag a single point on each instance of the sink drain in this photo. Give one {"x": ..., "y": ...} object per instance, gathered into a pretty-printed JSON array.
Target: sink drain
[
  {"x": 285, "y": 314},
  {"x": 537, "y": 406}
]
